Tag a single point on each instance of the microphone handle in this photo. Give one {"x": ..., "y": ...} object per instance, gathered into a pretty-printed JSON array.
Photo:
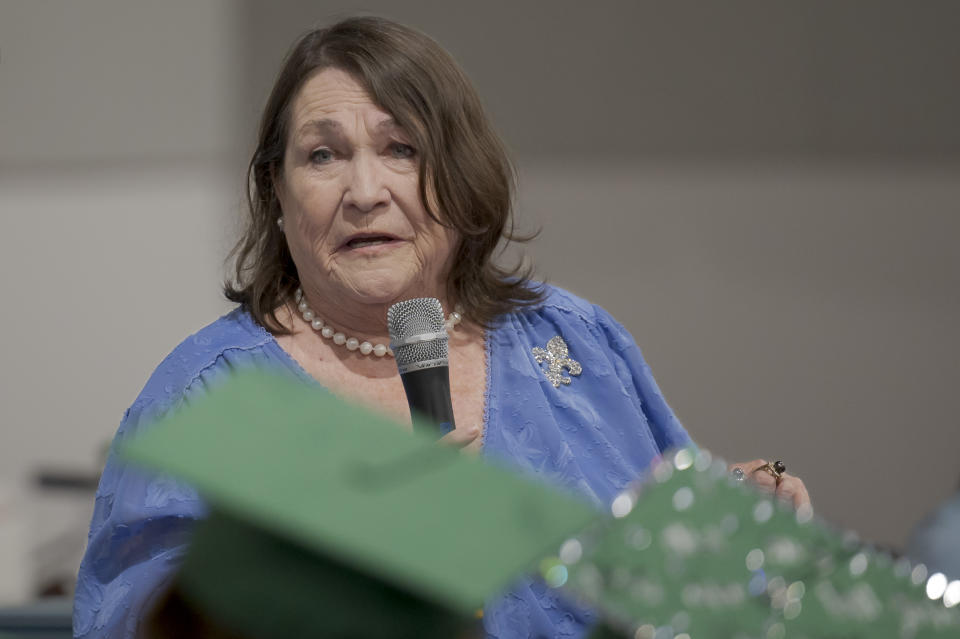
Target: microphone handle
[{"x": 428, "y": 393}]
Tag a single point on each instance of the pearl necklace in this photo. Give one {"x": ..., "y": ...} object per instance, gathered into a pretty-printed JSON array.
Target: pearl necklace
[{"x": 352, "y": 343}]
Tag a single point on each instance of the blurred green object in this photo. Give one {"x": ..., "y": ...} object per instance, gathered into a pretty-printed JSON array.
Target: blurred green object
[
  {"x": 693, "y": 554},
  {"x": 329, "y": 519},
  {"x": 264, "y": 585},
  {"x": 327, "y": 516}
]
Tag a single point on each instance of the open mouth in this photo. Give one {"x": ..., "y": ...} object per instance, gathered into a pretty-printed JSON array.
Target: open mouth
[{"x": 369, "y": 240}]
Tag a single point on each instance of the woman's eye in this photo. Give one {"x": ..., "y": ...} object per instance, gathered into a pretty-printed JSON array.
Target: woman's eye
[
  {"x": 321, "y": 156},
  {"x": 400, "y": 150}
]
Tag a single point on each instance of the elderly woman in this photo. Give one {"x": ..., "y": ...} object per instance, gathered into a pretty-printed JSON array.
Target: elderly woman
[{"x": 377, "y": 178}]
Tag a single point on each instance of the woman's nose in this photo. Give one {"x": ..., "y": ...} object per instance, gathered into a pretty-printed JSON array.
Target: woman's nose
[{"x": 366, "y": 186}]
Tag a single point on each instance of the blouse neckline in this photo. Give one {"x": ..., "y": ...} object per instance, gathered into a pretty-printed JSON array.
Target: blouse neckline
[{"x": 278, "y": 352}]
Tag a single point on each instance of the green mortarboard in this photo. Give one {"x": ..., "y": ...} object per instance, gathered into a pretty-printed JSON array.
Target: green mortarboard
[
  {"x": 328, "y": 520},
  {"x": 327, "y": 517},
  {"x": 693, "y": 554}
]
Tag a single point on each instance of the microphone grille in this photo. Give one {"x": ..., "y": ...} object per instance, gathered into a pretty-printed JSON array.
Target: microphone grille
[{"x": 406, "y": 320}]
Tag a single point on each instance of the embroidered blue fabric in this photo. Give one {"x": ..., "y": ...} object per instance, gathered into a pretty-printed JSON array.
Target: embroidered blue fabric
[{"x": 592, "y": 436}]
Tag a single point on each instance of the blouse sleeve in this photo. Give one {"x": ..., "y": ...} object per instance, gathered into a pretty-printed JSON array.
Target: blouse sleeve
[
  {"x": 633, "y": 369},
  {"x": 140, "y": 527}
]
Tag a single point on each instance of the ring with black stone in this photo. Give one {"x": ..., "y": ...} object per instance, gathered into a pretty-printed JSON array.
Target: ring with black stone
[{"x": 776, "y": 470}]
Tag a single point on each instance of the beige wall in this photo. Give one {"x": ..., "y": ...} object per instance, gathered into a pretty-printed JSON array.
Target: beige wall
[
  {"x": 115, "y": 133},
  {"x": 795, "y": 292},
  {"x": 117, "y": 198},
  {"x": 105, "y": 82}
]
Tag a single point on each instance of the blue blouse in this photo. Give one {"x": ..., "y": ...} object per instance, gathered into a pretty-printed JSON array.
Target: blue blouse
[{"x": 592, "y": 436}]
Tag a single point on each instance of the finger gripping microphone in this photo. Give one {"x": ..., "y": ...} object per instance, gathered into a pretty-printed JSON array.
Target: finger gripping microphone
[{"x": 419, "y": 342}]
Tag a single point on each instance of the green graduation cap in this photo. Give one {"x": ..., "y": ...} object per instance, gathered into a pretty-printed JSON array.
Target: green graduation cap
[
  {"x": 691, "y": 554},
  {"x": 329, "y": 520}
]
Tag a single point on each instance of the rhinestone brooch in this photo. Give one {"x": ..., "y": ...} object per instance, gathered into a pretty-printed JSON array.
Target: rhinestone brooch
[{"x": 557, "y": 358}]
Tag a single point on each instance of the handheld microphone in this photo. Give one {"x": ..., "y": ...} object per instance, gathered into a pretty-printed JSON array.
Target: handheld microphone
[{"x": 419, "y": 342}]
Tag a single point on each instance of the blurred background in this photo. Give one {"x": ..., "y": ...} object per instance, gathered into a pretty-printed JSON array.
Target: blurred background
[{"x": 766, "y": 194}]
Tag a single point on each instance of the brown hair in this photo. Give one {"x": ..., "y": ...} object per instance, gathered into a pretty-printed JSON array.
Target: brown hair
[{"x": 463, "y": 166}]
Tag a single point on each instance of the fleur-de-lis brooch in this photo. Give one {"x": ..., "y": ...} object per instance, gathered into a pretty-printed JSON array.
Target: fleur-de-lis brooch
[{"x": 557, "y": 358}]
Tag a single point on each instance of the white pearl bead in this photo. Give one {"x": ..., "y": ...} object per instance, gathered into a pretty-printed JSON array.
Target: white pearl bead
[{"x": 352, "y": 343}]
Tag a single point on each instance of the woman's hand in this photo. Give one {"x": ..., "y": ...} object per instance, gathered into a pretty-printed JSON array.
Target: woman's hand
[
  {"x": 788, "y": 488},
  {"x": 460, "y": 437}
]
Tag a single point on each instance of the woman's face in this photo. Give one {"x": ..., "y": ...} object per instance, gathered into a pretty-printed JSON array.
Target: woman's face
[{"x": 354, "y": 222}]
